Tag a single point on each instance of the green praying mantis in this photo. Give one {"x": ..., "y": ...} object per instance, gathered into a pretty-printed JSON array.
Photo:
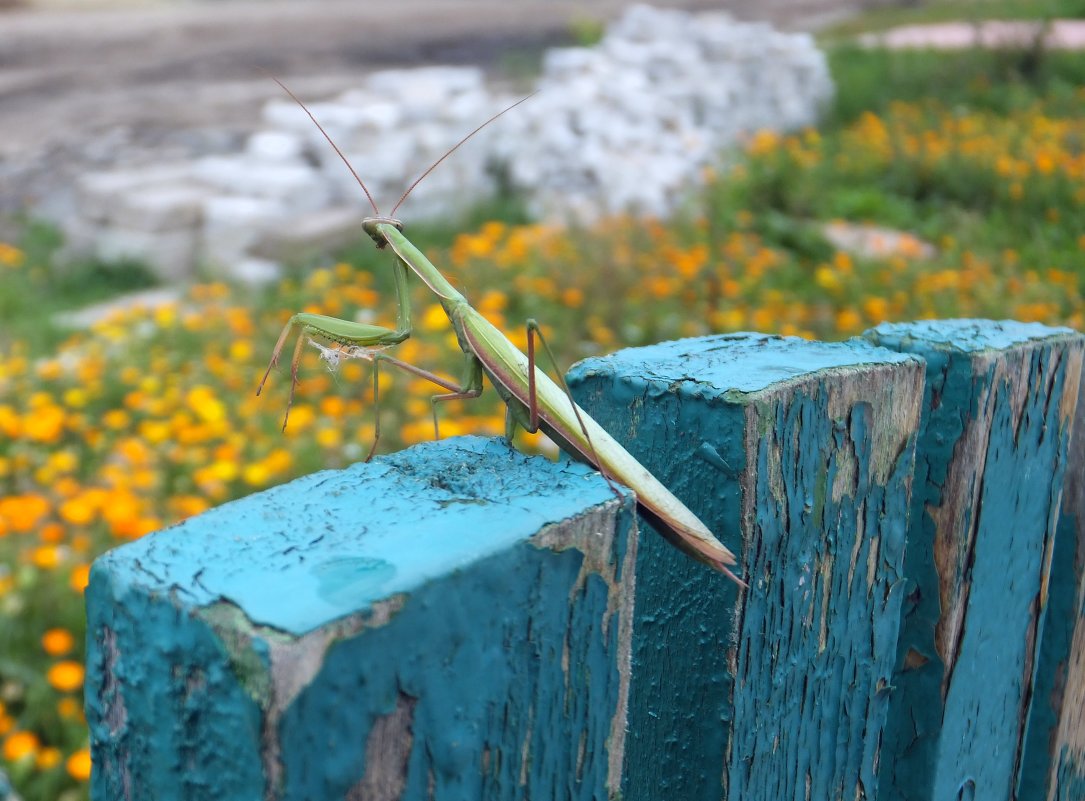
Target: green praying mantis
[{"x": 533, "y": 400}]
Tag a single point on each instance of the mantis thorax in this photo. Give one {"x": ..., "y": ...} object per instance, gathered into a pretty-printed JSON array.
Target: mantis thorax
[{"x": 369, "y": 225}]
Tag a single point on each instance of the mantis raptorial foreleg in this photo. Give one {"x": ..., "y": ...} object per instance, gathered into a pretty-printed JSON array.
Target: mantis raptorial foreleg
[{"x": 343, "y": 332}]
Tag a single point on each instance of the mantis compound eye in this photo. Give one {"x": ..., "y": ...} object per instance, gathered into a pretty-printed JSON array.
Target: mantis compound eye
[{"x": 369, "y": 225}]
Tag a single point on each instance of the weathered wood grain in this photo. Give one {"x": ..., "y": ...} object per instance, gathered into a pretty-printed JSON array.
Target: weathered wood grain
[
  {"x": 450, "y": 622},
  {"x": 1053, "y": 766},
  {"x": 799, "y": 456},
  {"x": 997, "y": 413}
]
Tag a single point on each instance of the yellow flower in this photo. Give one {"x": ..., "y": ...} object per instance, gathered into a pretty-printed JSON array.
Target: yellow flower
[
  {"x": 329, "y": 437},
  {"x": 434, "y": 318},
  {"x": 826, "y": 278},
  {"x": 20, "y": 744},
  {"x": 241, "y": 350},
  {"x": 203, "y": 402},
  {"x": 116, "y": 419},
  {"x": 78, "y": 765},
  {"x": 224, "y": 470},
  {"x": 57, "y": 642},
  {"x": 66, "y": 676},
  {"x": 165, "y": 316},
  {"x": 10, "y": 256},
  {"x": 256, "y": 474}
]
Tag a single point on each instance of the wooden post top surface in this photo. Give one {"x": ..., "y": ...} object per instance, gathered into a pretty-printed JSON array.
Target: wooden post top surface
[
  {"x": 302, "y": 554},
  {"x": 736, "y": 365},
  {"x": 966, "y": 335}
]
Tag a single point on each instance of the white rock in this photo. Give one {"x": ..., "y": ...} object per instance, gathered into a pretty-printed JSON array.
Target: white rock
[
  {"x": 297, "y": 187},
  {"x": 254, "y": 271},
  {"x": 233, "y": 224},
  {"x": 170, "y": 254},
  {"x": 275, "y": 146}
]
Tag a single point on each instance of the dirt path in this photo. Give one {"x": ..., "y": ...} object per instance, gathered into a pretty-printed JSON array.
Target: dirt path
[{"x": 87, "y": 88}]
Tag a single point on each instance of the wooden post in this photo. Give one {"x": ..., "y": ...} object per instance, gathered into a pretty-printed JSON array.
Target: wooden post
[
  {"x": 450, "y": 622},
  {"x": 799, "y": 455},
  {"x": 997, "y": 416},
  {"x": 1053, "y": 767}
]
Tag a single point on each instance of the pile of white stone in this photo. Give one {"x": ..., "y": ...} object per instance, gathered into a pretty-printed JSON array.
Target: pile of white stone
[{"x": 628, "y": 125}]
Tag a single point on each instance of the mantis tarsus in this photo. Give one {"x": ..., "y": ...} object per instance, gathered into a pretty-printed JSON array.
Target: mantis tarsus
[{"x": 533, "y": 401}]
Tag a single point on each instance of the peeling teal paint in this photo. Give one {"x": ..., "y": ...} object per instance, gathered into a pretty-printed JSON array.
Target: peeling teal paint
[
  {"x": 465, "y": 593},
  {"x": 782, "y": 695},
  {"x": 957, "y": 710}
]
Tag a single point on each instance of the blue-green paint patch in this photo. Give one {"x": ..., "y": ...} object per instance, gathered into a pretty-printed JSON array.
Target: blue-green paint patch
[{"x": 774, "y": 439}]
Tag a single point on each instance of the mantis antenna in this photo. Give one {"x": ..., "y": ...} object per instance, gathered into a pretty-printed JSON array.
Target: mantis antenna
[
  {"x": 331, "y": 142},
  {"x": 417, "y": 180},
  {"x": 454, "y": 148}
]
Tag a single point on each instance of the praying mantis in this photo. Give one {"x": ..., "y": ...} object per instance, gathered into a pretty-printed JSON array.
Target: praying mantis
[{"x": 532, "y": 399}]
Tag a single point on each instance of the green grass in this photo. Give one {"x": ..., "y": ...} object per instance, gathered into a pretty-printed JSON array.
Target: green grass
[
  {"x": 934, "y": 11},
  {"x": 999, "y": 81},
  {"x": 30, "y": 299}
]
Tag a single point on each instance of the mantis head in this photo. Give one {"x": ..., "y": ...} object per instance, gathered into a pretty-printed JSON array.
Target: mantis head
[{"x": 369, "y": 225}]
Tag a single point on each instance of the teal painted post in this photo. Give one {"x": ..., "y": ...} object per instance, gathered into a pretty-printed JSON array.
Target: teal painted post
[
  {"x": 799, "y": 456},
  {"x": 1053, "y": 768},
  {"x": 997, "y": 415},
  {"x": 449, "y": 623}
]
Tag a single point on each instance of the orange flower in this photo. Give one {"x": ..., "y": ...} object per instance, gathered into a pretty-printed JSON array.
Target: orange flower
[
  {"x": 20, "y": 744},
  {"x": 66, "y": 676},
  {"x": 78, "y": 765},
  {"x": 69, "y": 708},
  {"x": 80, "y": 510},
  {"x": 45, "y": 424},
  {"x": 57, "y": 642},
  {"x": 46, "y": 557},
  {"x": 47, "y": 758},
  {"x": 79, "y": 578},
  {"x": 22, "y": 513}
]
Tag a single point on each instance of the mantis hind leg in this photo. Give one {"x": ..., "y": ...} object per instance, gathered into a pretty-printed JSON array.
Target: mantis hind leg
[
  {"x": 534, "y": 330},
  {"x": 455, "y": 391},
  {"x": 471, "y": 387}
]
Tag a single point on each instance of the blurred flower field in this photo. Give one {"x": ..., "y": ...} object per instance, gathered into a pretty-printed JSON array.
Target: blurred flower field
[{"x": 151, "y": 416}]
